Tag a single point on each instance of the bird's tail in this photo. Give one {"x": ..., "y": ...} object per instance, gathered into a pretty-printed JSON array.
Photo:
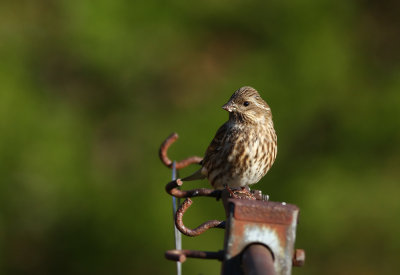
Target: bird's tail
[{"x": 195, "y": 176}]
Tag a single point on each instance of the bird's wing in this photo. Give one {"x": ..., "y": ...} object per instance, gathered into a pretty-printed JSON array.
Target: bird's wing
[{"x": 216, "y": 144}]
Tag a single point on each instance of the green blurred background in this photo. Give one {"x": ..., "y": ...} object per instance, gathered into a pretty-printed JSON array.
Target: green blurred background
[{"x": 89, "y": 90}]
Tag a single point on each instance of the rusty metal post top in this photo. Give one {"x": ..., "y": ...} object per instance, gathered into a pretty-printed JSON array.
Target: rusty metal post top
[
  {"x": 262, "y": 211},
  {"x": 268, "y": 223}
]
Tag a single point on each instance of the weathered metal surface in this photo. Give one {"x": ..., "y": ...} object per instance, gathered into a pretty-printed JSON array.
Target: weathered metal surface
[
  {"x": 181, "y": 255},
  {"x": 166, "y": 160},
  {"x": 270, "y": 212},
  {"x": 198, "y": 230},
  {"x": 272, "y": 224}
]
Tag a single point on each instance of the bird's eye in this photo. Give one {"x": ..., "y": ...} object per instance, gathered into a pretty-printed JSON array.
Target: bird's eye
[{"x": 246, "y": 103}]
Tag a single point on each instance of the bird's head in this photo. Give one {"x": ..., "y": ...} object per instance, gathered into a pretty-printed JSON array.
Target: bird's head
[{"x": 247, "y": 105}]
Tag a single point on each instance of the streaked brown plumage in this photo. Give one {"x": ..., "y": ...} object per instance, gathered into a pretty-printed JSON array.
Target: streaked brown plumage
[{"x": 245, "y": 147}]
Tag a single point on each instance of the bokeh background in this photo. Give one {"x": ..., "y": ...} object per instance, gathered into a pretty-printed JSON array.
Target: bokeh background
[{"x": 89, "y": 90}]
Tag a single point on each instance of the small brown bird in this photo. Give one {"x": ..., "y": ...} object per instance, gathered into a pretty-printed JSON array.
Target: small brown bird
[{"x": 244, "y": 148}]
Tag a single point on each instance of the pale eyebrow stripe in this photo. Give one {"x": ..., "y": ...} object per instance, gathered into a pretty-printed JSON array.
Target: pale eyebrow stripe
[{"x": 261, "y": 106}]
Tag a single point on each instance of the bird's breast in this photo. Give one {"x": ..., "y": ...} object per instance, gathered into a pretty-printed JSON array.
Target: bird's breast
[{"x": 243, "y": 159}]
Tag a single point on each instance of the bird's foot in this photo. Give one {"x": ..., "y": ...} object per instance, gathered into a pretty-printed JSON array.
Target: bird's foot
[
  {"x": 242, "y": 193},
  {"x": 229, "y": 190}
]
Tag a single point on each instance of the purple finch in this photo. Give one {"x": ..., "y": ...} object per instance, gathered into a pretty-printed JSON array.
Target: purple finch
[{"x": 244, "y": 148}]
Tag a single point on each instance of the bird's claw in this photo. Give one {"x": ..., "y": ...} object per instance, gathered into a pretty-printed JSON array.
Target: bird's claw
[{"x": 242, "y": 193}]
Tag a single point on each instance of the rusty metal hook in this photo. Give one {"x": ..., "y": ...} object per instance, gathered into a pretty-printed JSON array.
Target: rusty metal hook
[
  {"x": 179, "y": 164},
  {"x": 181, "y": 255},
  {"x": 198, "y": 230},
  {"x": 173, "y": 190}
]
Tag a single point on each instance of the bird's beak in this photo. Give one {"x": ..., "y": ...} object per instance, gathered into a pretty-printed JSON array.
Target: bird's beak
[{"x": 228, "y": 107}]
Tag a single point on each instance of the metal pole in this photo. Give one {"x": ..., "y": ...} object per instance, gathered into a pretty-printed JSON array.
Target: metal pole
[
  {"x": 257, "y": 260},
  {"x": 178, "y": 236}
]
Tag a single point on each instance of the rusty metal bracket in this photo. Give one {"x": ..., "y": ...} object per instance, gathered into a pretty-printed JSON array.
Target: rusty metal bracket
[{"x": 272, "y": 224}]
